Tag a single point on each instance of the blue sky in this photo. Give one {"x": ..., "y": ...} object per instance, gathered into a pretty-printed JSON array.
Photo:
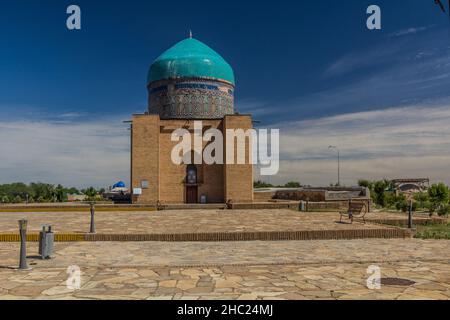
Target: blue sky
[{"x": 298, "y": 64}]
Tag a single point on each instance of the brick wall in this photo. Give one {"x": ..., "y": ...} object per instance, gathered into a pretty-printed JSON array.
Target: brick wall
[
  {"x": 151, "y": 161},
  {"x": 306, "y": 195},
  {"x": 145, "y": 157},
  {"x": 238, "y": 178},
  {"x": 263, "y": 196}
]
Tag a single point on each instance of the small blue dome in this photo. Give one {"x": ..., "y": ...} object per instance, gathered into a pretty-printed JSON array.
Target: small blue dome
[
  {"x": 119, "y": 184},
  {"x": 190, "y": 58}
]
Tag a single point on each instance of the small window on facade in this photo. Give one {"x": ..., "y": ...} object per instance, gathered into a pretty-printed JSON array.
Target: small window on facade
[
  {"x": 191, "y": 174},
  {"x": 144, "y": 184}
]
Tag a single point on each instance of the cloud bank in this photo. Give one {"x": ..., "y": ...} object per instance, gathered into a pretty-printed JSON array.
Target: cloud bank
[
  {"x": 392, "y": 143},
  {"x": 77, "y": 154}
]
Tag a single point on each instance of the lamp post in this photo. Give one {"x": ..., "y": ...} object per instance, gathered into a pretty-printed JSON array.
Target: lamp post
[
  {"x": 339, "y": 162},
  {"x": 92, "y": 227},
  {"x": 410, "y": 209},
  {"x": 23, "y": 244}
]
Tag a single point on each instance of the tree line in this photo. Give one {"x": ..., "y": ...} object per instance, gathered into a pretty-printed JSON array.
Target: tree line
[
  {"x": 261, "y": 184},
  {"x": 435, "y": 200},
  {"x": 38, "y": 192}
]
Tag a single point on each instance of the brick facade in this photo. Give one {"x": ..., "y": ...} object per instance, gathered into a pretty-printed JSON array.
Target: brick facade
[
  {"x": 145, "y": 157},
  {"x": 163, "y": 181},
  {"x": 238, "y": 178}
]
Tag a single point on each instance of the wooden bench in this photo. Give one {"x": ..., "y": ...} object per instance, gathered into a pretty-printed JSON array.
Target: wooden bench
[{"x": 356, "y": 209}]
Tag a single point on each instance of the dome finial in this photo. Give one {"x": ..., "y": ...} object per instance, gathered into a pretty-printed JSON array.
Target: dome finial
[{"x": 190, "y": 34}]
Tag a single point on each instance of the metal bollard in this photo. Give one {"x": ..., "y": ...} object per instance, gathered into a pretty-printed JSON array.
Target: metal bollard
[
  {"x": 410, "y": 221},
  {"x": 23, "y": 244},
  {"x": 46, "y": 240},
  {"x": 302, "y": 206},
  {"x": 92, "y": 228}
]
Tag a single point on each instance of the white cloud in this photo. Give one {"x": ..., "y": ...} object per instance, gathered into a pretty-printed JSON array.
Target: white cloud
[
  {"x": 73, "y": 154},
  {"x": 409, "y": 31},
  {"x": 398, "y": 142},
  {"x": 392, "y": 143},
  {"x": 359, "y": 60}
]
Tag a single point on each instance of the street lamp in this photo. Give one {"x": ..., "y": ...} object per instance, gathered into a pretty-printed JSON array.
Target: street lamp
[{"x": 339, "y": 163}]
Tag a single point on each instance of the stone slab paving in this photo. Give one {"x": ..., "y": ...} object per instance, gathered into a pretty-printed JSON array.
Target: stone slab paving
[
  {"x": 240, "y": 270},
  {"x": 181, "y": 221},
  {"x": 142, "y": 254}
]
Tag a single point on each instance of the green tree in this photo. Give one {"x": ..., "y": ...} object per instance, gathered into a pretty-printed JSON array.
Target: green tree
[
  {"x": 390, "y": 199},
  {"x": 444, "y": 210},
  {"x": 17, "y": 199},
  {"x": 72, "y": 190},
  {"x": 379, "y": 188},
  {"x": 381, "y": 191},
  {"x": 261, "y": 184},
  {"x": 365, "y": 183},
  {"x": 43, "y": 191},
  {"x": 60, "y": 193},
  {"x": 402, "y": 204},
  {"x": 422, "y": 199},
  {"x": 439, "y": 196},
  {"x": 90, "y": 193},
  {"x": 292, "y": 184}
]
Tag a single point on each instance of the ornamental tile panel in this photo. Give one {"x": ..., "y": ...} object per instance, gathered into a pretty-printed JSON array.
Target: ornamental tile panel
[{"x": 191, "y": 99}]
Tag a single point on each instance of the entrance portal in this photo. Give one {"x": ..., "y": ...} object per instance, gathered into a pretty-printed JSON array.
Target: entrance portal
[
  {"x": 191, "y": 184},
  {"x": 191, "y": 194}
]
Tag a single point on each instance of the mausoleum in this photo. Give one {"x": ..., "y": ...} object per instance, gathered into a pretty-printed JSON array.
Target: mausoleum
[{"x": 188, "y": 82}]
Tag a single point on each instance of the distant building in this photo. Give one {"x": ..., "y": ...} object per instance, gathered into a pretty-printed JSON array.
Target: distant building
[
  {"x": 322, "y": 197},
  {"x": 409, "y": 186},
  {"x": 118, "y": 193},
  {"x": 315, "y": 194},
  {"x": 76, "y": 197},
  {"x": 119, "y": 187}
]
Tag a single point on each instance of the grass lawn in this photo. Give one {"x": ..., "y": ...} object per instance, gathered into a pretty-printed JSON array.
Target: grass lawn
[{"x": 433, "y": 231}]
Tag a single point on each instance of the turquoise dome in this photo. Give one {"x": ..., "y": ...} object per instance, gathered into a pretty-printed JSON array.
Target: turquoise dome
[{"x": 190, "y": 58}]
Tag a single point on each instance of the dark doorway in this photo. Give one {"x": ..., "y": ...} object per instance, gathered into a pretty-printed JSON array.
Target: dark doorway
[
  {"x": 191, "y": 184},
  {"x": 191, "y": 194}
]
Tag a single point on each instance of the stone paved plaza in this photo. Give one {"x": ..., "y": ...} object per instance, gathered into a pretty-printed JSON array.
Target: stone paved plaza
[
  {"x": 320, "y": 269},
  {"x": 181, "y": 221},
  {"x": 231, "y": 270}
]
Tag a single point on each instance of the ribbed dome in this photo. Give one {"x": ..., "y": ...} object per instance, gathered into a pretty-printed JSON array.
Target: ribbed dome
[{"x": 190, "y": 58}]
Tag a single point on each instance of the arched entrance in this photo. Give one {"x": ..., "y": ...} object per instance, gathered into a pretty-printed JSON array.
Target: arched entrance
[{"x": 191, "y": 184}]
